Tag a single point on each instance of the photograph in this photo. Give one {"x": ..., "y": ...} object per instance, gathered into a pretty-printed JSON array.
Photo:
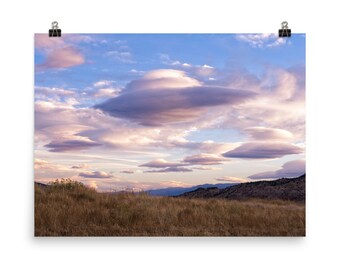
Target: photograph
[{"x": 169, "y": 135}]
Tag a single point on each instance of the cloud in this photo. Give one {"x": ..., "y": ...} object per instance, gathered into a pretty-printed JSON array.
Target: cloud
[
  {"x": 166, "y": 166},
  {"x": 80, "y": 166},
  {"x": 63, "y": 58},
  {"x": 52, "y": 91},
  {"x": 263, "y": 150},
  {"x": 43, "y": 41},
  {"x": 59, "y": 52},
  {"x": 205, "y": 159},
  {"x": 70, "y": 145},
  {"x": 46, "y": 171},
  {"x": 103, "y": 83},
  {"x": 39, "y": 162},
  {"x": 206, "y": 168},
  {"x": 121, "y": 56},
  {"x": 279, "y": 103},
  {"x": 107, "y": 92},
  {"x": 201, "y": 159},
  {"x": 264, "y": 133},
  {"x": 166, "y": 60},
  {"x": 95, "y": 174},
  {"x": 136, "y": 72},
  {"x": 230, "y": 179},
  {"x": 160, "y": 79},
  {"x": 60, "y": 121},
  {"x": 170, "y": 169},
  {"x": 128, "y": 171},
  {"x": 166, "y": 97},
  {"x": 262, "y": 40},
  {"x": 197, "y": 70},
  {"x": 289, "y": 169},
  {"x": 161, "y": 163}
]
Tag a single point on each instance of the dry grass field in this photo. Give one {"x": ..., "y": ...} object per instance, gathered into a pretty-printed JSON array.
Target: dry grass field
[{"x": 71, "y": 209}]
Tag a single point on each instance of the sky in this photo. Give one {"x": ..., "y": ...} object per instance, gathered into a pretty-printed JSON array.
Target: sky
[{"x": 148, "y": 111}]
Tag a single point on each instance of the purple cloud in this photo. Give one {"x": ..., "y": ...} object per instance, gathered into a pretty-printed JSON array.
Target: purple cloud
[
  {"x": 95, "y": 174},
  {"x": 258, "y": 150},
  {"x": 264, "y": 133},
  {"x": 161, "y": 163},
  {"x": 289, "y": 169},
  {"x": 169, "y": 96},
  {"x": 127, "y": 171},
  {"x": 63, "y": 58},
  {"x": 70, "y": 145},
  {"x": 205, "y": 159},
  {"x": 80, "y": 166},
  {"x": 170, "y": 169},
  {"x": 157, "y": 107}
]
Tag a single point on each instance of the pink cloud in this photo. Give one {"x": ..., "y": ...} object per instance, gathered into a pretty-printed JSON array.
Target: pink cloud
[
  {"x": 43, "y": 41},
  {"x": 59, "y": 52},
  {"x": 63, "y": 58},
  {"x": 230, "y": 179},
  {"x": 161, "y": 163},
  {"x": 264, "y": 133},
  {"x": 205, "y": 159}
]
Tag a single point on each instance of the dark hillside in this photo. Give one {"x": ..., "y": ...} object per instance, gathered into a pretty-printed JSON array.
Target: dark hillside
[{"x": 292, "y": 189}]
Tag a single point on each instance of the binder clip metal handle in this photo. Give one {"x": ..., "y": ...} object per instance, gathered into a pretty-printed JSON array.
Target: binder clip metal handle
[
  {"x": 284, "y": 31},
  {"x": 55, "y": 31}
]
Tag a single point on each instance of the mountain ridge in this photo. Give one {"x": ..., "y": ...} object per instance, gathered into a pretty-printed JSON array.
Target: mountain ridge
[
  {"x": 177, "y": 191},
  {"x": 284, "y": 188}
]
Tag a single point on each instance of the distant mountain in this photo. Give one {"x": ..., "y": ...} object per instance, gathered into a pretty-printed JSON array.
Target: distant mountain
[
  {"x": 176, "y": 191},
  {"x": 285, "y": 189}
]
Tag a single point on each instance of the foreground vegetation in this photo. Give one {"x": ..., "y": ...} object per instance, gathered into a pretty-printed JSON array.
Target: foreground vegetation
[{"x": 70, "y": 209}]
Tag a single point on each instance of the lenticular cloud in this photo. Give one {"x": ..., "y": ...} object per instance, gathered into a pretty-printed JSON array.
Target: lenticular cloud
[{"x": 168, "y": 97}]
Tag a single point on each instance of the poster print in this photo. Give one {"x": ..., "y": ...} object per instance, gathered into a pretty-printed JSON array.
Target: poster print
[{"x": 169, "y": 135}]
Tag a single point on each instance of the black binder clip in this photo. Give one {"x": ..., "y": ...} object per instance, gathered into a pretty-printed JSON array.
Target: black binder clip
[
  {"x": 284, "y": 31},
  {"x": 54, "y": 32}
]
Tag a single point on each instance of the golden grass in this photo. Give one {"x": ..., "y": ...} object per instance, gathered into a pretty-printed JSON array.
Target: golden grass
[{"x": 71, "y": 209}]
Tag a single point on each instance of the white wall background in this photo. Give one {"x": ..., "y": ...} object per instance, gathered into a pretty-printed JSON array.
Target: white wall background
[{"x": 20, "y": 19}]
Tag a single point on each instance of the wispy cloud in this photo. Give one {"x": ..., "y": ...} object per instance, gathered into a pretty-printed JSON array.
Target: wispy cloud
[
  {"x": 170, "y": 169},
  {"x": 49, "y": 92},
  {"x": 262, "y": 40},
  {"x": 80, "y": 166},
  {"x": 230, "y": 179},
  {"x": 103, "y": 83},
  {"x": 197, "y": 70},
  {"x": 121, "y": 56}
]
